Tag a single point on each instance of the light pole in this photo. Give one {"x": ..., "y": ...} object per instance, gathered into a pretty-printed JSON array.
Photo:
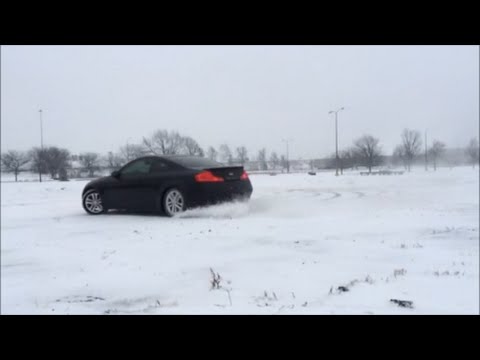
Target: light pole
[
  {"x": 288, "y": 161},
  {"x": 40, "y": 160},
  {"x": 426, "y": 152},
  {"x": 336, "y": 137}
]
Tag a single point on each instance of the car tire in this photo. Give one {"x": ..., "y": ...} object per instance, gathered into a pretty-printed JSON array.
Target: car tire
[
  {"x": 92, "y": 202},
  {"x": 173, "y": 202}
]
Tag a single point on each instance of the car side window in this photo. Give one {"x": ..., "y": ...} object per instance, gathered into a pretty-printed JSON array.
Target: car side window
[
  {"x": 139, "y": 167},
  {"x": 159, "y": 167}
]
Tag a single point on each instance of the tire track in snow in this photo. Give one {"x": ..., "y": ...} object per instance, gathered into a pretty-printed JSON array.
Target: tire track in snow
[{"x": 335, "y": 195}]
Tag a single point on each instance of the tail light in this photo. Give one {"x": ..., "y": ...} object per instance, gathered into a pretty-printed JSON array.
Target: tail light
[
  {"x": 244, "y": 176},
  {"x": 207, "y": 176}
]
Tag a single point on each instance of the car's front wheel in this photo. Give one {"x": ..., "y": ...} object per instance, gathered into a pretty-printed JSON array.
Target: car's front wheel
[
  {"x": 92, "y": 202},
  {"x": 173, "y": 202}
]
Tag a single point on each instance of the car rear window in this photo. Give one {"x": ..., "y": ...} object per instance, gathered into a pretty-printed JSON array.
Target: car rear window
[{"x": 195, "y": 162}]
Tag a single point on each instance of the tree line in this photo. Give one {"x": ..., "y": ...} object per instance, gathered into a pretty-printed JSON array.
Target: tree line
[{"x": 365, "y": 151}]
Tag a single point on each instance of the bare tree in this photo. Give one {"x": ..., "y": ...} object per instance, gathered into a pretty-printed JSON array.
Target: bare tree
[
  {"x": 52, "y": 160},
  {"x": 39, "y": 164},
  {"x": 225, "y": 154},
  {"x": 131, "y": 152},
  {"x": 412, "y": 143},
  {"x": 57, "y": 160},
  {"x": 399, "y": 156},
  {"x": 163, "y": 142},
  {"x": 347, "y": 159},
  {"x": 114, "y": 161},
  {"x": 212, "y": 154},
  {"x": 242, "y": 156},
  {"x": 368, "y": 151},
  {"x": 13, "y": 160},
  {"x": 436, "y": 151},
  {"x": 472, "y": 151},
  {"x": 191, "y": 147},
  {"x": 274, "y": 160},
  {"x": 262, "y": 159},
  {"x": 90, "y": 162},
  {"x": 332, "y": 161},
  {"x": 62, "y": 174}
]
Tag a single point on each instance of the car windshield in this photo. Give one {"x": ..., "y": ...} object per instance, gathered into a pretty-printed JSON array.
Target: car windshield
[{"x": 195, "y": 162}]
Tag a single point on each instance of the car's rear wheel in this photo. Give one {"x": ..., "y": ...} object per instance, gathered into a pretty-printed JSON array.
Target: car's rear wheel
[
  {"x": 173, "y": 202},
  {"x": 92, "y": 202}
]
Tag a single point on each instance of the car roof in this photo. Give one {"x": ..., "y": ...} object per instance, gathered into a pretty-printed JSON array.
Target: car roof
[
  {"x": 166, "y": 157},
  {"x": 169, "y": 158}
]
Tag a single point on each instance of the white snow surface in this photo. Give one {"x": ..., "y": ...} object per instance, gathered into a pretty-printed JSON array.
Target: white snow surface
[{"x": 300, "y": 238}]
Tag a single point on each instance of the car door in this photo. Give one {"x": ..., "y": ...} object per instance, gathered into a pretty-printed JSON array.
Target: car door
[
  {"x": 160, "y": 176},
  {"x": 131, "y": 188}
]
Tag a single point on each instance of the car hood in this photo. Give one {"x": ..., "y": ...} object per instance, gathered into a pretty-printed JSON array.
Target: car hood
[{"x": 100, "y": 182}]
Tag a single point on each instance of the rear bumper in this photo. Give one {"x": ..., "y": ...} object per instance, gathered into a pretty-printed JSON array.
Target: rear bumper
[{"x": 203, "y": 194}]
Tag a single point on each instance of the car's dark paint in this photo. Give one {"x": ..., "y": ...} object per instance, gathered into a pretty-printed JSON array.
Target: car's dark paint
[{"x": 145, "y": 192}]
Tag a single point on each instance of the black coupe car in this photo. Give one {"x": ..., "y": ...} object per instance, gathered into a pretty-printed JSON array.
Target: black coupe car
[{"x": 170, "y": 184}]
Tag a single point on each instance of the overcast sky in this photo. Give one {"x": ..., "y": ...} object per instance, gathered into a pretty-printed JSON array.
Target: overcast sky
[{"x": 96, "y": 98}]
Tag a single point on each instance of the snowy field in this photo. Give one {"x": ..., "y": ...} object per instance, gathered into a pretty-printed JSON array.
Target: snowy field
[{"x": 302, "y": 245}]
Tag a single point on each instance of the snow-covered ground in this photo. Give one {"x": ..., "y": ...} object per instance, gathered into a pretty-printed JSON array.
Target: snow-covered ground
[{"x": 303, "y": 244}]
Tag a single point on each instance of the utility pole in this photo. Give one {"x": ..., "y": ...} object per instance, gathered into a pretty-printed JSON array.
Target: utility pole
[
  {"x": 336, "y": 138},
  {"x": 40, "y": 163}
]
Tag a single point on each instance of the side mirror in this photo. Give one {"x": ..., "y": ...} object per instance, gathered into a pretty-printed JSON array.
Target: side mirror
[{"x": 116, "y": 174}]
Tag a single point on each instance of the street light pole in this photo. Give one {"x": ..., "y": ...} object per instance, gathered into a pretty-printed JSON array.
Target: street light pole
[
  {"x": 336, "y": 138},
  {"x": 288, "y": 162},
  {"x": 426, "y": 151},
  {"x": 40, "y": 163},
  {"x": 336, "y": 143}
]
